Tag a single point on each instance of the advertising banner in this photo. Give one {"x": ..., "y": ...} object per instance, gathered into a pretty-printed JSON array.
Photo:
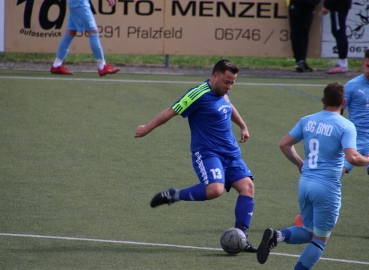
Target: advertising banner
[
  {"x": 162, "y": 27},
  {"x": 357, "y": 31}
]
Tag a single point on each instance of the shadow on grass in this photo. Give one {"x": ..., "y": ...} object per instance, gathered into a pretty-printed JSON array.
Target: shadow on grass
[
  {"x": 109, "y": 249},
  {"x": 226, "y": 255}
]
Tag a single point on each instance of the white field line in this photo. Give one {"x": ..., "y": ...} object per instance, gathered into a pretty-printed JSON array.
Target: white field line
[
  {"x": 158, "y": 245},
  {"x": 148, "y": 81}
]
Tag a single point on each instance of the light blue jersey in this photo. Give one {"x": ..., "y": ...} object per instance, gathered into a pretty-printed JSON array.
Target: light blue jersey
[
  {"x": 78, "y": 3},
  {"x": 325, "y": 134},
  {"x": 357, "y": 103}
]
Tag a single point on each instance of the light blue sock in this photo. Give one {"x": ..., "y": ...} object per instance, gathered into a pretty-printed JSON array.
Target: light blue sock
[
  {"x": 194, "y": 193},
  {"x": 64, "y": 46},
  {"x": 296, "y": 235},
  {"x": 243, "y": 212},
  {"x": 311, "y": 254},
  {"x": 96, "y": 46}
]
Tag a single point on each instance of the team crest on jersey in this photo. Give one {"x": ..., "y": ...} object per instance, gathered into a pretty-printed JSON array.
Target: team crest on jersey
[
  {"x": 226, "y": 98},
  {"x": 224, "y": 110}
]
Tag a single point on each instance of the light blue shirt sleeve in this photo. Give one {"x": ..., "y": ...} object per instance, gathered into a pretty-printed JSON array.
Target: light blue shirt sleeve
[
  {"x": 357, "y": 103},
  {"x": 296, "y": 132}
]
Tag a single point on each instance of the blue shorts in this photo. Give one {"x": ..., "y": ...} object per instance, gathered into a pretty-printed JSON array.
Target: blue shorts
[
  {"x": 363, "y": 148},
  {"x": 319, "y": 206},
  {"x": 81, "y": 19},
  {"x": 213, "y": 168}
]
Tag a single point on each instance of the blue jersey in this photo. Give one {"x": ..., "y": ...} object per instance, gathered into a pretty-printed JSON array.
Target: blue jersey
[
  {"x": 78, "y": 3},
  {"x": 357, "y": 102},
  {"x": 326, "y": 134},
  {"x": 209, "y": 118}
]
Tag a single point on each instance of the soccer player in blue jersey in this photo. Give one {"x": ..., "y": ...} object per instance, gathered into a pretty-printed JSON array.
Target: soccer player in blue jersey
[
  {"x": 357, "y": 104},
  {"x": 327, "y": 137},
  {"x": 216, "y": 155},
  {"x": 80, "y": 18}
]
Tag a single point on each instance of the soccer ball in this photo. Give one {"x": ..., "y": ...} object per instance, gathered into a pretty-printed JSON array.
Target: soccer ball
[{"x": 233, "y": 240}]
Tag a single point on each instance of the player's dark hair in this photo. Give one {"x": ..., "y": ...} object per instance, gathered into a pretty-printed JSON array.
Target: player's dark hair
[
  {"x": 223, "y": 65},
  {"x": 334, "y": 93},
  {"x": 366, "y": 53}
]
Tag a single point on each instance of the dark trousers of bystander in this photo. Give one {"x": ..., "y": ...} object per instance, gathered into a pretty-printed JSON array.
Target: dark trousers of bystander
[
  {"x": 338, "y": 25},
  {"x": 301, "y": 16}
]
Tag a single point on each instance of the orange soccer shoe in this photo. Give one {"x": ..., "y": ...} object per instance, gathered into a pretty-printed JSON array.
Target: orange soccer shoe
[
  {"x": 298, "y": 221},
  {"x": 107, "y": 70},
  {"x": 337, "y": 69},
  {"x": 60, "y": 70}
]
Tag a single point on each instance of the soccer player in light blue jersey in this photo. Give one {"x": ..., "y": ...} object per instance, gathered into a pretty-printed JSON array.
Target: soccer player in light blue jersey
[
  {"x": 80, "y": 18},
  {"x": 357, "y": 104},
  {"x": 216, "y": 155},
  {"x": 327, "y": 137}
]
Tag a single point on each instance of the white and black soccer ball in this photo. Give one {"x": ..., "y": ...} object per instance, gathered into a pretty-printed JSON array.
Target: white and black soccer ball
[{"x": 233, "y": 240}]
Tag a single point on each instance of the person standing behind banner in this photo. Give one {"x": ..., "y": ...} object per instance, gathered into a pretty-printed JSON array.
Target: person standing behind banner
[
  {"x": 338, "y": 12},
  {"x": 301, "y": 14}
]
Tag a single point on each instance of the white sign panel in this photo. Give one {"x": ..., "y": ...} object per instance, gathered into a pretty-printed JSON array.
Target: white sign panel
[{"x": 357, "y": 31}]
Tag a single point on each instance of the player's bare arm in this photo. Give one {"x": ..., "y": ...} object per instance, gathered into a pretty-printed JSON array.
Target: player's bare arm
[
  {"x": 159, "y": 120},
  {"x": 237, "y": 119},
  {"x": 355, "y": 158},
  {"x": 288, "y": 149}
]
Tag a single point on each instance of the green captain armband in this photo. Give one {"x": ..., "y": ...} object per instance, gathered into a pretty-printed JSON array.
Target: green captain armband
[{"x": 190, "y": 98}]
